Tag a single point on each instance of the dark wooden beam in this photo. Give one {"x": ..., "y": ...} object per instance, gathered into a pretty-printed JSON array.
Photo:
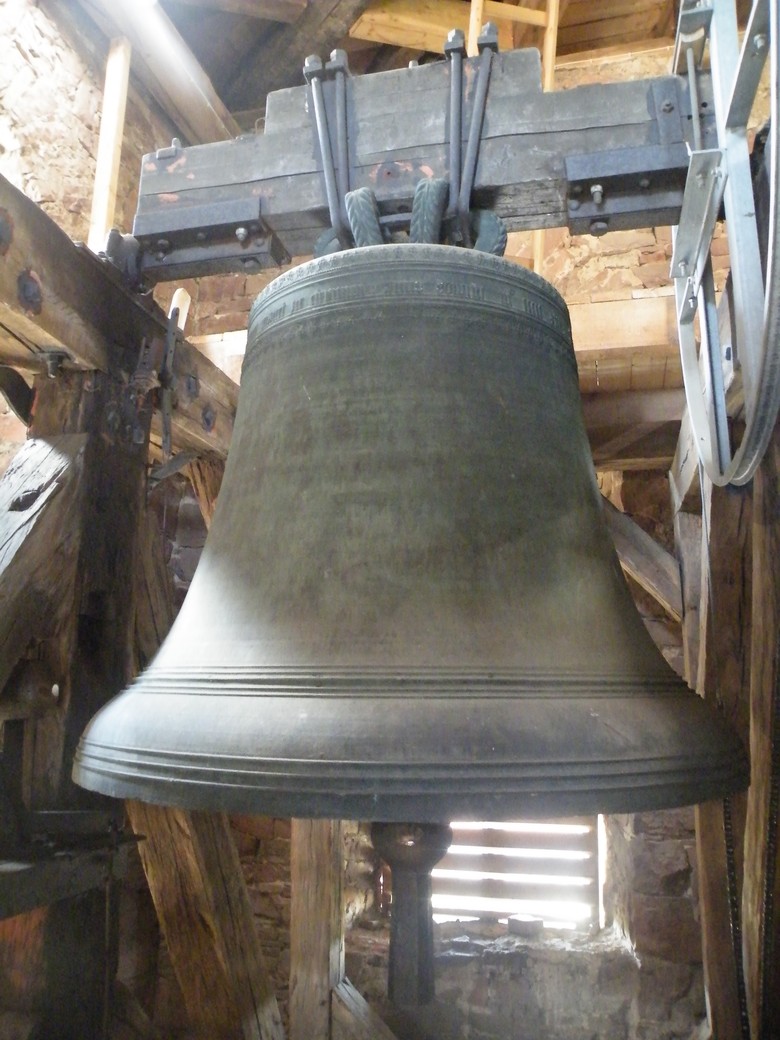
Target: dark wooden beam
[
  {"x": 27, "y": 882},
  {"x": 723, "y": 678},
  {"x": 288, "y": 11},
  {"x": 167, "y": 68},
  {"x": 761, "y": 895},
  {"x": 278, "y": 60},
  {"x": 41, "y": 497},
  {"x": 89, "y": 656},
  {"x": 537, "y": 148},
  {"x": 57, "y": 296}
]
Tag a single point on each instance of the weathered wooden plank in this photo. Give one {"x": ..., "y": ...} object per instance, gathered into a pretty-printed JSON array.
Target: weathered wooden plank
[
  {"x": 541, "y": 866},
  {"x": 91, "y": 655},
  {"x": 424, "y": 25},
  {"x": 203, "y": 907},
  {"x": 353, "y": 1018},
  {"x": 688, "y": 549},
  {"x": 647, "y": 324},
  {"x": 112, "y": 132},
  {"x": 27, "y": 883},
  {"x": 632, "y": 407},
  {"x": 206, "y": 478},
  {"x": 40, "y": 498},
  {"x": 604, "y": 452},
  {"x": 723, "y": 678},
  {"x": 645, "y": 560},
  {"x": 316, "y": 926},
  {"x": 492, "y": 888},
  {"x": 73, "y": 303},
  {"x": 684, "y": 480},
  {"x": 761, "y": 893}
]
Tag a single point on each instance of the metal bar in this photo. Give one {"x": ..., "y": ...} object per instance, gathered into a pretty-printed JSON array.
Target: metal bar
[
  {"x": 755, "y": 48},
  {"x": 704, "y": 189},
  {"x": 455, "y": 50},
  {"x": 338, "y": 64},
  {"x": 693, "y": 27},
  {"x": 711, "y": 346},
  {"x": 312, "y": 70},
  {"x": 746, "y": 272},
  {"x": 697, "y": 410},
  {"x": 690, "y": 59},
  {"x": 488, "y": 44}
]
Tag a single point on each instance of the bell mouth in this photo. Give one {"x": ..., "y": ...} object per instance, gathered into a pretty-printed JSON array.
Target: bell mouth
[
  {"x": 409, "y": 606},
  {"x": 357, "y": 745}
]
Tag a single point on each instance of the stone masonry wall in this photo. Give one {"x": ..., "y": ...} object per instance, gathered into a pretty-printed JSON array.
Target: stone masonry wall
[{"x": 51, "y": 86}]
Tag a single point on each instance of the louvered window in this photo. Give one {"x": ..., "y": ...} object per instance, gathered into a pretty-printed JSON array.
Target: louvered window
[{"x": 545, "y": 870}]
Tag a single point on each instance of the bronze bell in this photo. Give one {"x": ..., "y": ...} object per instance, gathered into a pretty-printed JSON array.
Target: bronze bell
[{"x": 409, "y": 606}]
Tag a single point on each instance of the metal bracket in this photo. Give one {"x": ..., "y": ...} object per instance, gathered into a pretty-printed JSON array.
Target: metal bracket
[
  {"x": 718, "y": 176},
  {"x": 173, "y": 337},
  {"x": 143, "y": 381},
  {"x": 702, "y": 200}
]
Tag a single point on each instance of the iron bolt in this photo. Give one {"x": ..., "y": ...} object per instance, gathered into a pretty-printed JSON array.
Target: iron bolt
[
  {"x": 597, "y": 193},
  {"x": 242, "y": 234},
  {"x": 574, "y": 203},
  {"x": 667, "y": 106},
  {"x": 759, "y": 42},
  {"x": 682, "y": 267},
  {"x": 598, "y": 227},
  {"x": 644, "y": 183}
]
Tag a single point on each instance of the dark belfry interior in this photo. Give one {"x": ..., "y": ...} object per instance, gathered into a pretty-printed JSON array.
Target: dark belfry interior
[{"x": 427, "y": 687}]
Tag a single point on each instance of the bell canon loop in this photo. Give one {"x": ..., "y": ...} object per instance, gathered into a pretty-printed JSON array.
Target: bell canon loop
[{"x": 409, "y": 606}]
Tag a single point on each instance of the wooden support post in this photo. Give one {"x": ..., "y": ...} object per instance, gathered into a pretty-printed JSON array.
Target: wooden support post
[
  {"x": 476, "y": 14},
  {"x": 89, "y": 655},
  {"x": 761, "y": 894},
  {"x": 112, "y": 130},
  {"x": 203, "y": 906},
  {"x": 316, "y": 926},
  {"x": 195, "y": 875},
  {"x": 723, "y": 677}
]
